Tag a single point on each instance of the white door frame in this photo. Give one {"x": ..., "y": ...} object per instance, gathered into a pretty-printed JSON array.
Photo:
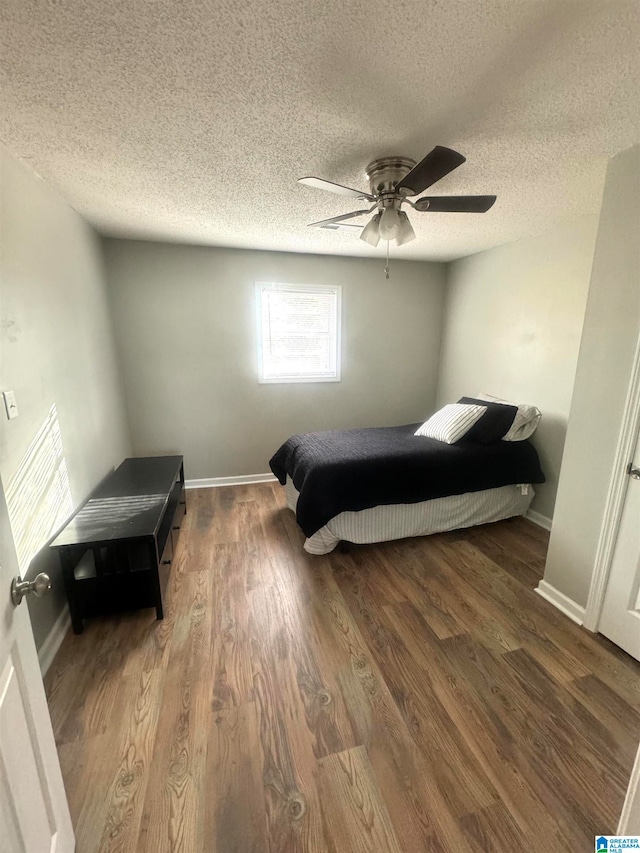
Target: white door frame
[
  {"x": 615, "y": 498},
  {"x": 630, "y": 817}
]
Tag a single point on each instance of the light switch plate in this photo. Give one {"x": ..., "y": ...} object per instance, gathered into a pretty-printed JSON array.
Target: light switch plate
[{"x": 10, "y": 404}]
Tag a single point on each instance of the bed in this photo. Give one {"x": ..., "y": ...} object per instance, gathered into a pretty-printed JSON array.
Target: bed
[{"x": 382, "y": 483}]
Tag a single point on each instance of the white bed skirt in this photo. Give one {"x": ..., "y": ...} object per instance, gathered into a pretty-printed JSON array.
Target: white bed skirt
[{"x": 398, "y": 521}]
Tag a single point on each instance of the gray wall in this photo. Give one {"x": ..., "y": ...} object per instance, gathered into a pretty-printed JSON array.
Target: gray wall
[
  {"x": 513, "y": 319},
  {"x": 609, "y": 339},
  {"x": 186, "y": 330},
  {"x": 56, "y": 349}
]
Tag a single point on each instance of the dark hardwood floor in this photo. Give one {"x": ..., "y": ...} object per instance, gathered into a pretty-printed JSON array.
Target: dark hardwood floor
[{"x": 410, "y": 696}]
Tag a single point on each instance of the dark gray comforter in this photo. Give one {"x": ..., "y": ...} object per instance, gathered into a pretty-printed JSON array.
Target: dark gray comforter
[{"x": 341, "y": 470}]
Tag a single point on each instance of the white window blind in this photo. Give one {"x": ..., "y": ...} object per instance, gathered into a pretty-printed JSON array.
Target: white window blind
[{"x": 298, "y": 332}]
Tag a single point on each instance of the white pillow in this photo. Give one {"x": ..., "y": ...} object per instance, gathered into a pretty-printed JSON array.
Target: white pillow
[
  {"x": 451, "y": 422},
  {"x": 525, "y": 422}
]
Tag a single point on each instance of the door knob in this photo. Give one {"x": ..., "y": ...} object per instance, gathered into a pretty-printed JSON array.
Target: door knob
[
  {"x": 634, "y": 472},
  {"x": 38, "y": 587}
]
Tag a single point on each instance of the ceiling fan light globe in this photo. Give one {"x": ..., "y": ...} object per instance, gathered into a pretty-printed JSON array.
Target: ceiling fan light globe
[
  {"x": 371, "y": 231},
  {"x": 406, "y": 233},
  {"x": 389, "y": 224}
]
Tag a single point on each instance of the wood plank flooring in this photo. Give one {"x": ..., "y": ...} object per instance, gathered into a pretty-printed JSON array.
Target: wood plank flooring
[{"x": 410, "y": 696}]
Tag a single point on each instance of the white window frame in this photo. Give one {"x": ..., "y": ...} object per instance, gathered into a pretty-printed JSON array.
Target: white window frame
[{"x": 298, "y": 288}]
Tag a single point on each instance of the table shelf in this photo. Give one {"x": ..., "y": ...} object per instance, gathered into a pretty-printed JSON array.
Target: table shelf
[{"x": 116, "y": 552}]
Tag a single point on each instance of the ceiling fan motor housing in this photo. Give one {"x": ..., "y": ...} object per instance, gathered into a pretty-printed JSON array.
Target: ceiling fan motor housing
[{"x": 383, "y": 174}]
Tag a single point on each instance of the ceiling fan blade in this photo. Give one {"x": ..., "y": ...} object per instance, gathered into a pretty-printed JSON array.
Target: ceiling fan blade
[
  {"x": 435, "y": 166},
  {"x": 334, "y": 219},
  {"x": 341, "y": 226},
  {"x": 455, "y": 203},
  {"x": 329, "y": 186}
]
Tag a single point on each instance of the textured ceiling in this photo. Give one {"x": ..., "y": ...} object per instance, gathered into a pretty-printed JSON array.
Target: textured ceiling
[{"x": 190, "y": 121}]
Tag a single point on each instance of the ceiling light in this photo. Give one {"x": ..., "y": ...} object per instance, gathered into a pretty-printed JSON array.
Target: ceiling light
[
  {"x": 389, "y": 224},
  {"x": 405, "y": 233},
  {"x": 371, "y": 231}
]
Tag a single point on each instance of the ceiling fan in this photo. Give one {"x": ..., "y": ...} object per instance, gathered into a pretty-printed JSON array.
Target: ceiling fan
[{"x": 392, "y": 180}]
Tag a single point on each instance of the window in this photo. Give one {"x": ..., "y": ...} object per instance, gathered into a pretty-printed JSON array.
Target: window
[{"x": 298, "y": 332}]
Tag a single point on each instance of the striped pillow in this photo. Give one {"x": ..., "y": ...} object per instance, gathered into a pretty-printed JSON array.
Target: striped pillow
[{"x": 451, "y": 422}]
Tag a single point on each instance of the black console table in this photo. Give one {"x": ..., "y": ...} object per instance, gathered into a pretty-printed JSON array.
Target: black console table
[{"x": 116, "y": 552}]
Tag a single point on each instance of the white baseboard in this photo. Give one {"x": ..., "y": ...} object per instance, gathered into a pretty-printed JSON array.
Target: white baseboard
[
  {"x": 53, "y": 640},
  {"x": 567, "y": 605},
  {"x": 216, "y": 482},
  {"x": 539, "y": 519}
]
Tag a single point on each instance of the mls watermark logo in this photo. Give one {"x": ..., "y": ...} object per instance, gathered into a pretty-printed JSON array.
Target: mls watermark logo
[{"x": 617, "y": 843}]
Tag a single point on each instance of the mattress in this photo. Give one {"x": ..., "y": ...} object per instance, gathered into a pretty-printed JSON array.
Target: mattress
[
  {"x": 340, "y": 471},
  {"x": 399, "y": 521}
]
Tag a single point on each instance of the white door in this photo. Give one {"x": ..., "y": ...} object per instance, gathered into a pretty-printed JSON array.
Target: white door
[
  {"x": 620, "y": 617},
  {"x": 34, "y": 816}
]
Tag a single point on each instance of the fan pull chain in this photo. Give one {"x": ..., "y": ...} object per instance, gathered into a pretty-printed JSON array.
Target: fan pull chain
[{"x": 386, "y": 269}]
